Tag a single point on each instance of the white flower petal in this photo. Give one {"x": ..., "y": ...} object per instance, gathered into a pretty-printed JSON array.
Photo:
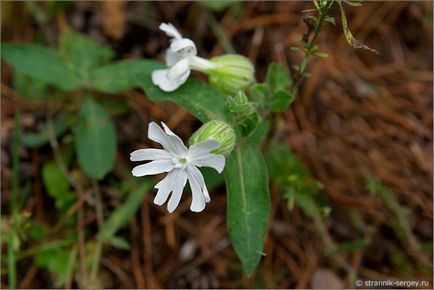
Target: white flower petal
[
  {"x": 165, "y": 186},
  {"x": 167, "y": 130},
  {"x": 178, "y": 70},
  {"x": 170, "y": 30},
  {"x": 170, "y": 79},
  {"x": 203, "y": 148},
  {"x": 178, "y": 146},
  {"x": 178, "y": 187},
  {"x": 194, "y": 172},
  {"x": 184, "y": 47},
  {"x": 172, "y": 57},
  {"x": 198, "y": 199},
  {"x": 171, "y": 143},
  {"x": 155, "y": 133},
  {"x": 154, "y": 167},
  {"x": 150, "y": 154},
  {"x": 215, "y": 161}
]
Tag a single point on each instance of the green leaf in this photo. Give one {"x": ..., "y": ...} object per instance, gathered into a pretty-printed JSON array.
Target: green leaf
[
  {"x": 119, "y": 243},
  {"x": 40, "y": 63},
  {"x": 28, "y": 87},
  {"x": 82, "y": 54},
  {"x": 248, "y": 204},
  {"x": 351, "y": 246},
  {"x": 121, "y": 215},
  {"x": 277, "y": 78},
  {"x": 200, "y": 99},
  {"x": 121, "y": 75},
  {"x": 290, "y": 174},
  {"x": 259, "y": 92},
  {"x": 280, "y": 101},
  {"x": 56, "y": 261},
  {"x": 35, "y": 140},
  {"x": 57, "y": 185},
  {"x": 217, "y": 5},
  {"x": 248, "y": 124},
  {"x": 95, "y": 139},
  {"x": 259, "y": 134}
]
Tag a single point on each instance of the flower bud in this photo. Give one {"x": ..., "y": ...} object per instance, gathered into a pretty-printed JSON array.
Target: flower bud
[
  {"x": 217, "y": 130},
  {"x": 232, "y": 73}
]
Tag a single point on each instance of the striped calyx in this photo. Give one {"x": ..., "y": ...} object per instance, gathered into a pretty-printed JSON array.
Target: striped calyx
[{"x": 217, "y": 130}]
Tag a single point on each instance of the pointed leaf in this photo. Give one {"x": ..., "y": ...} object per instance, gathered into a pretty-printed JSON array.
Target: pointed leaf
[
  {"x": 248, "y": 205},
  {"x": 277, "y": 78},
  {"x": 280, "y": 101},
  {"x": 95, "y": 139},
  {"x": 82, "y": 54},
  {"x": 40, "y": 63}
]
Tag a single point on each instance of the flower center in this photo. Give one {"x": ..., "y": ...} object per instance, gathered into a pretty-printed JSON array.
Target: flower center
[{"x": 180, "y": 162}]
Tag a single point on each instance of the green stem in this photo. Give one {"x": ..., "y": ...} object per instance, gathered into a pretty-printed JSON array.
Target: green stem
[
  {"x": 322, "y": 16},
  {"x": 12, "y": 275}
]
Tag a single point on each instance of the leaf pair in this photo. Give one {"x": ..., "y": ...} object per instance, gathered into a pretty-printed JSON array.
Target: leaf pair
[{"x": 274, "y": 94}]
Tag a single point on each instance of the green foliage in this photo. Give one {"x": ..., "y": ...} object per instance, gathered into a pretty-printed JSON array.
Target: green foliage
[
  {"x": 354, "y": 245},
  {"x": 204, "y": 102},
  {"x": 248, "y": 204},
  {"x": 246, "y": 118},
  {"x": 121, "y": 215},
  {"x": 274, "y": 94},
  {"x": 57, "y": 185},
  {"x": 217, "y": 5},
  {"x": 121, "y": 75},
  {"x": 82, "y": 54},
  {"x": 290, "y": 174},
  {"x": 56, "y": 261},
  {"x": 38, "y": 139},
  {"x": 28, "y": 87},
  {"x": 95, "y": 139},
  {"x": 248, "y": 124},
  {"x": 261, "y": 131},
  {"x": 119, "y": 243},
  {"x": 40, "y": 63},
  {"x": 299, "y": 187},
  {"x": 401, "y": 223}
]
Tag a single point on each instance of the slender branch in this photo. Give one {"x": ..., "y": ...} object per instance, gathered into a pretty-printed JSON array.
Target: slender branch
[{"x": 321, "y": 18}]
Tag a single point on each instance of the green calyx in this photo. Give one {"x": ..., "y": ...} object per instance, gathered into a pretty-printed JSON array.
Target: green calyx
[
  {"x": 217, "y": 130},
  {"x": 233, "y": 73}
]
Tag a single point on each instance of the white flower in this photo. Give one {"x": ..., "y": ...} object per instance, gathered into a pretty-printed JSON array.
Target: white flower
[
  {"x": 180, "y": 58},
  {"x": 181, "y": 164}
]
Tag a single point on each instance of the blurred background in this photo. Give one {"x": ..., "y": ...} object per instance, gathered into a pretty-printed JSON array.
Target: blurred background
[{"x": 360, "y": 131}]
